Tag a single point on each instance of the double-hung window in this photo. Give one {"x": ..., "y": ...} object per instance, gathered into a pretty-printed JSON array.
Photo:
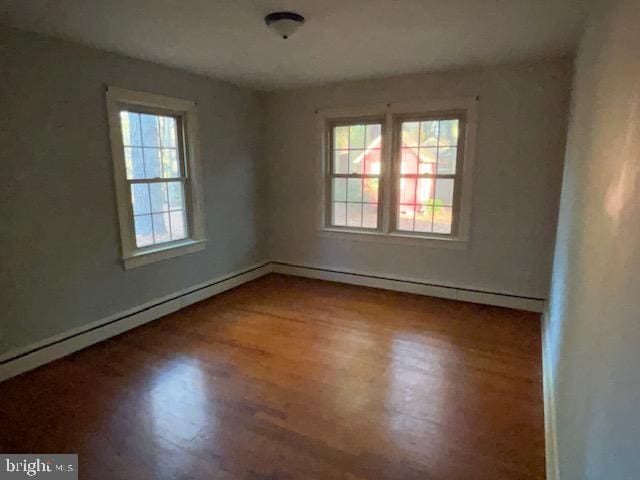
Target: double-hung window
[
  {"x": 154, "y": 154},
  {"x": 399, "y": 170},
  {"x": 355, "y": 174},
  {"x": 427, "y": 173}
]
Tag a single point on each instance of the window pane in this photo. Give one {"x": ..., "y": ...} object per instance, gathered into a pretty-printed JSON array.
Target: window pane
[
  {"x": 161, "y": 229},
  {"x": 340, "y": 138},
  {"x": 442, "y": 219},
  {"x": 354, "y": 214},
  {"x": 356, "y": 150},
  {"x": 134, "y": 162},
  {"x": 151, "y": 151},
  {"x": 354, "y": 190},
  {"x": 339, "y": 214},
  {"x": 176, "y": 195},
  {"x": 341, "y": 161},
  {"x": 424, "y": 191},
  {"x": 130, "y": 125},
  {"x": 427, "y": 148},
  {"x": 140, "y": 198},
  {"x": 356, "y": 161},
  {"x": 427, "y": 160},
  {"x": 144, "y": 232},
  {"x": 170, "y": 166},
  {"x": 407, "y": 190},
  {"x": 370, "y": 215},
  {"x": 159, "y": 200},
  {"x": 339, "y": 190},
  {"x": 150, "y": 133},
  {"x": 372, "y": 136},
  {"x": 447, "y": 160},
  {"x": 168, "y": 132},
  {"x": 152, "y": 163},
  {"x": 423, "y": 222},
  {"x": 444, "y": 192},
  {"x": 370, "y": 190},
  {"x": 372, "y": 162},
  {"x": 424, "y": 218},
  {"x": 178, "y": 225},
  {"x": 429, "y": 133},
  {"x": 405, "y": 217},
  {"x": 410, "y": 134},
  {"x": 409, "y": 161},
  {"x": 448, "y": 134},
  {"x": 356, "y": 136}
]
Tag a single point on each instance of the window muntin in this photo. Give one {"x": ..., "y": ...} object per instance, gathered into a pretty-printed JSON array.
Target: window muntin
[
  {"x": 156, "y": 176},
  {"x": 427, "y": 179},
  {"x": 355, "y": 158}
]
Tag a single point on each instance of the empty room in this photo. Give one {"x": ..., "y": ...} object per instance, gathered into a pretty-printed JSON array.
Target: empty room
[{"x": 317, "y": 240}]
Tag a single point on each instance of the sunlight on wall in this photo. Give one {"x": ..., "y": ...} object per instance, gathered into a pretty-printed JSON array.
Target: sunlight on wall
[{"x": 621, "y": 192}]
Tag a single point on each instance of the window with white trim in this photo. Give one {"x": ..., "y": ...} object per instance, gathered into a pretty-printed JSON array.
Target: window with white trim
[
  {"x": 399, "y": 170},
  {"x": 154, "y": 155}
]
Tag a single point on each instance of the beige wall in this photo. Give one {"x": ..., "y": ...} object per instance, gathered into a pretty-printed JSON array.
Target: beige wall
[
  {"x": 59, "y": 240},
  {"x": 593, "y": 328},
  {"x": 521, "y": 137}
]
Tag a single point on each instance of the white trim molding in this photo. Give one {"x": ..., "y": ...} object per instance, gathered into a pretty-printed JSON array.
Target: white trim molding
[
  {"x": 32, "y": 356},
  {"x": 394, "y": 238},
  {"x": 163, "y": 251},
  {"x": 550, "y": 432},
  {"x": 416, "y": 286}
]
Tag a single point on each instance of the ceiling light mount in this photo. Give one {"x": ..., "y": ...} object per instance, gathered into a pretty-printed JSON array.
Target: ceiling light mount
[{"x": 284, "y": 24}]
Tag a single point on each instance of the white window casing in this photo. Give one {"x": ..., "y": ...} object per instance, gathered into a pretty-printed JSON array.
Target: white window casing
[
  {"x": 189, "y": 175},
  {"x": 464, "y": 109}
]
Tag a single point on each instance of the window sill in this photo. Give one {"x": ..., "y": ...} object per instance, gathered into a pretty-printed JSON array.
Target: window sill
[
  {"x": 162, "y": 252},
  {"x": 395, "y": 238}
]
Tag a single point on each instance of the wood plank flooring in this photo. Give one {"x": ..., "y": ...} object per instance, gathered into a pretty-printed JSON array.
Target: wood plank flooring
[{"x": 287, "y": 378}]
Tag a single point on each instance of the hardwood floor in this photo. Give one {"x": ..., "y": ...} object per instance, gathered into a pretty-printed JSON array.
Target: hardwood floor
[{"x": 289, "y": 378}]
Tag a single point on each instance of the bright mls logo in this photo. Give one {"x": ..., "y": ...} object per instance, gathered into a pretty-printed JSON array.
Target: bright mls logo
[{"x": 46, "y": 467}]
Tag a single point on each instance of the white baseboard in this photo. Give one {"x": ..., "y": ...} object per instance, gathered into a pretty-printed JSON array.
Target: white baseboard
[
  {"x": 37, "y": 354},
  {"x": 551, "y": 439},
  {"x": 412, "y": 286},
  {"x": 32, "y": 356}
]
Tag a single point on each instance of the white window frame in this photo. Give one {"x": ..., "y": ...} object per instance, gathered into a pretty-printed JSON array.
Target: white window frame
[
  {"x": 122, "y": 99},
  {"x": 465, "y": 108}
]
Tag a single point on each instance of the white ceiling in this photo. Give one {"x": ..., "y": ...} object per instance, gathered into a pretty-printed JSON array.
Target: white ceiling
[{"x": 342, "y": 39}]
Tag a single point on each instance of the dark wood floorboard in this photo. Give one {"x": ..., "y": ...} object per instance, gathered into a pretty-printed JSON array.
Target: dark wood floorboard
[{"x": 288, "y": 378}]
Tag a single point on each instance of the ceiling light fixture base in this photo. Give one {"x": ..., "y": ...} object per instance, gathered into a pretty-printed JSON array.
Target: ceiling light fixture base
[{"x": 284, "y": 24}]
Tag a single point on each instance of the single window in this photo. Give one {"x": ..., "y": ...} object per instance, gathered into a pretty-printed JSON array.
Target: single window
[
  {"x": 418, "y": 188},
  {"x": 156, "y": 175},
  {"x": 355, "y": 175},
  {"x": 428, "y": 178}
]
